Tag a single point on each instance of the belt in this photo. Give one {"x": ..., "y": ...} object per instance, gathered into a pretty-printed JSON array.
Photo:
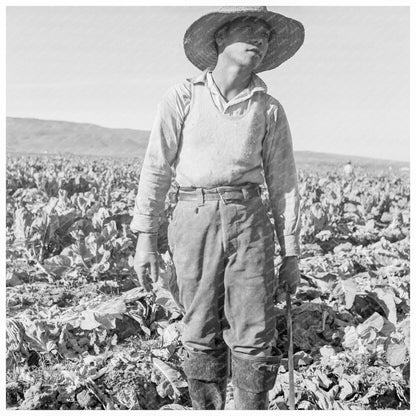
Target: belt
[{"x": 223, "y": 193}]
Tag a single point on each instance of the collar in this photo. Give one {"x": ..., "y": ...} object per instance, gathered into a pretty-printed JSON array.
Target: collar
[{"x": 256, "y": 83}]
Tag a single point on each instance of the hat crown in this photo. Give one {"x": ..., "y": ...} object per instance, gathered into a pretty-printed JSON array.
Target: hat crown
[{"x": 242, "y": 9}]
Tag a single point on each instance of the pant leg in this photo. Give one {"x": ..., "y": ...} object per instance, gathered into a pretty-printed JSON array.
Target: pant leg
[
  {"x": 249, "y": 286},
  {"x": 197, "y": 250},
  {"x": 195, "y": 238},
  {"x": 249, "y": 278}
]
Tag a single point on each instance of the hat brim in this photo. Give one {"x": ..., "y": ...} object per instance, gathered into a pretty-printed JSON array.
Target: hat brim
[{"x": 286, "y": 38}]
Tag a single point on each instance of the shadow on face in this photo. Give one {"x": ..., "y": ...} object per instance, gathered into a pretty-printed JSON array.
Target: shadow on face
[{"x": 249, "y": 30}]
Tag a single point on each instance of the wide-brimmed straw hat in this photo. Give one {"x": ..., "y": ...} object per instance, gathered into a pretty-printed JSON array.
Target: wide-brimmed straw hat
[{"x": 286, "y": 37}]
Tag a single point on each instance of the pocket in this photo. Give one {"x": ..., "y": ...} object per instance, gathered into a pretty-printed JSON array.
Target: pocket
[{"x": 174, "y": 224}]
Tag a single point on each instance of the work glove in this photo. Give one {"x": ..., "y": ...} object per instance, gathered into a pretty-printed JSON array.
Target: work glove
[
  {"x": 146, "y": 260},
  {"x": 289, "y": 275}
]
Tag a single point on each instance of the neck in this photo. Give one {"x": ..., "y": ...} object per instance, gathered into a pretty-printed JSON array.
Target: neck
[{"x": 231, "y": 79}]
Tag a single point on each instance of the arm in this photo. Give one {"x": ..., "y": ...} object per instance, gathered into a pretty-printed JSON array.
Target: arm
[
  {"x": 281, "y": 179},
  {"x": 155, "y": 180},
  {"x": 156, "y": 172}
]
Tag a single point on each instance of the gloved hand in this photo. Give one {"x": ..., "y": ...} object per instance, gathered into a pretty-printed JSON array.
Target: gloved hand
[
  {"x": 289, "y": 275},
  {"x": 146, "y": 261}
]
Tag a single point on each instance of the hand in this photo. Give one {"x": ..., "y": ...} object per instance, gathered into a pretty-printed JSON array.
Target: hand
[
  {"x": 146, "y": 260},
  {"x": 289, "y": 275}
]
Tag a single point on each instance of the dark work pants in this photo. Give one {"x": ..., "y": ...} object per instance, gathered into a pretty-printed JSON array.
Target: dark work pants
[{"x": 223, "y": 255}]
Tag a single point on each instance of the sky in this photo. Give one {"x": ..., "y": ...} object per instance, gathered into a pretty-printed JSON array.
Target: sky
[{"x": 345, "y": 91}]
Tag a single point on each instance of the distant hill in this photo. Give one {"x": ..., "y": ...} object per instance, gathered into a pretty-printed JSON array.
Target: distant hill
[{"x": 31, "y": 135}]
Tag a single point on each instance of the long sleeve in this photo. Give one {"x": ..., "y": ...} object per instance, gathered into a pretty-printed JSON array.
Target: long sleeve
[
  {"x": 156, "y": 172},
  {"x": 281, "y": 179}
]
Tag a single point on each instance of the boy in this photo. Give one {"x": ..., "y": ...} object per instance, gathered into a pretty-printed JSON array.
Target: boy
[{"x": 221, "y": 132}]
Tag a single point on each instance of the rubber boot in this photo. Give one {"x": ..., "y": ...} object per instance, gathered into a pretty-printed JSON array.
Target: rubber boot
[
  {"x": 246, "y": 400},
  {"x": 207, "y": 395},
  {"x": 253, "y": 377},
  {"x": 207, "y": 380}
]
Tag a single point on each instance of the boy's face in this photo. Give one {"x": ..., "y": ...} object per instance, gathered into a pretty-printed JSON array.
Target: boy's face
[{"x": 244, "y": 41}]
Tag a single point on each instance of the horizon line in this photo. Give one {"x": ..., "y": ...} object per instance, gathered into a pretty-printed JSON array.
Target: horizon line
[{"x": 148, "y": 131}]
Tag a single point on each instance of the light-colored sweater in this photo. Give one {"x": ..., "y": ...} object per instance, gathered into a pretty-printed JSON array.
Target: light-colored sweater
[
  {"x": 232, "y": 146},
  {"x": 206, "y": 142}
]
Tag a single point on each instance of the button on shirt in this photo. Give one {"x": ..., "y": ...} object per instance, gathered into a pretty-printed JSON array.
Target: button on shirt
[{"x": 277, "y": 157}]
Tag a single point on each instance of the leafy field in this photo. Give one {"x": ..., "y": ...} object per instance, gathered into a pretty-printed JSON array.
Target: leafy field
[{"x": 82, "y": 335}]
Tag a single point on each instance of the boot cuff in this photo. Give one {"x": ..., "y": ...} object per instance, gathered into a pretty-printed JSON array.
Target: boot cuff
[
  {"x": 206, "y": 367},
  {"x": 254, "y": 374}
]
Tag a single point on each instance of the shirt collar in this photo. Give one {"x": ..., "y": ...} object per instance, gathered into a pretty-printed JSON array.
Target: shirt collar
[{"x": 256, "y": 83}]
